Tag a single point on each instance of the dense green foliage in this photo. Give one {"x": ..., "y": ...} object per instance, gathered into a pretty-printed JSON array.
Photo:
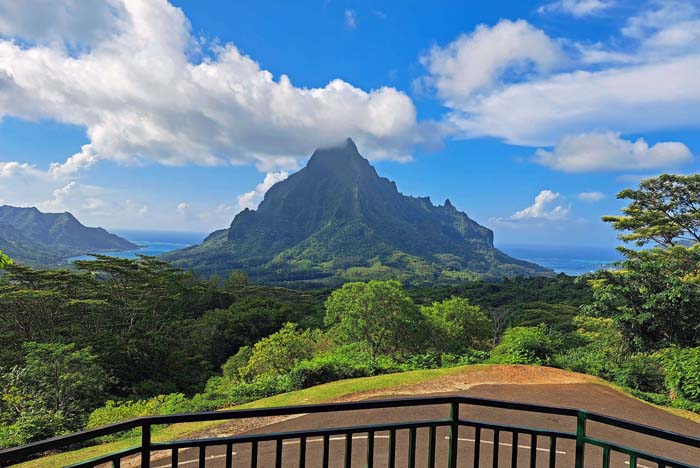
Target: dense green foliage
[
  {"x": 336, "y": 220},
  {"x": 35, "y": 238},
  {"x": 135, "y": 337}
]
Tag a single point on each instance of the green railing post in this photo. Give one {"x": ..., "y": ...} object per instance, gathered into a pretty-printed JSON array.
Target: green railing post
[
  {"x": 146, "y": 445},
  {"x": 580, "y": 437},
  {"x": 454, "y": 434}
]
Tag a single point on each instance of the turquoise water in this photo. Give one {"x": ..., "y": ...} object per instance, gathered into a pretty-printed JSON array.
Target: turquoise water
[
  {"x": 573, "y": 260},
  {"x": 153, "y": 243},
  {"x": 570, "y": 259}
]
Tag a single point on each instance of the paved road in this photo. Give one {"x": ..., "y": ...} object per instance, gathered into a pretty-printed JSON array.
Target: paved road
[{"x": 591, "y": 397}]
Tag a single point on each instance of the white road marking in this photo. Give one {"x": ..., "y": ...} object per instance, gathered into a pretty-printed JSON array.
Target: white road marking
[
  {"x": 506, "y": 444},
  {"x": 639, "y": 465},
  {"x": 332, "y": 439},
  {"x": 196, "y": 460}
]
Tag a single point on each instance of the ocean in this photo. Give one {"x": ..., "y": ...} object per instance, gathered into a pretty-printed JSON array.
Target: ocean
[
  {"x": 570, "y": 259},
  {"x": 573, "y": 260}
]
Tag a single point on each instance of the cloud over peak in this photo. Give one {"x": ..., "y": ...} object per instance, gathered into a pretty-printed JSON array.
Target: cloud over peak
[{"x": 142, "y": 100}]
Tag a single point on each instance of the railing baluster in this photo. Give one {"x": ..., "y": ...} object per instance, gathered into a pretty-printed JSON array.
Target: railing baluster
[
  {"x": 302, "y": 452},
  {"x": 278, "y": 453},
  {"x": 580, "y": 438},
  {"x": 175, "y": 455},
  {"x": 496, "y": 446},
  {"x": 633, "y": 461},
  {"x": 533, "y": 450},
  {"x": 412, "y": 447},
  {"x": 146, "y": 445},
  {"x": 348, "y": 450},
  {"x": 477, "y": 446},
  {"x": 431, "y": 447},
  {"x": 254, "y": 454},
  {"x": 202, "y": 456},
  {"x": 514, "y": 451},
  {"x": 229, "y": 455},
  {"x": 552, "y": 452},
  {"x": 370, "y": 449},
  {"x": 326, "y": 449},
  {"x": 606, "y": 457},
  {"x": 392, "y": 448},
  {"x": 117, "y": 462},
  {"x": 454, "y": 434}
]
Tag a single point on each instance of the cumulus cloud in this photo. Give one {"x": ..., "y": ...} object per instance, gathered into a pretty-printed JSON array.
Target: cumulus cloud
[
  {"x": 351, "y": 19},
  {"x": 76, "y": 22},
  {"x": 583, "y": 88},
  {"x": 142, "y": 98},
  {"x": 607, "y": 151},
  {"x": 475, "y": 62},
  {"x": 577, "y": 8},
  {"x": 252, "y": 199},
  {"x": 591, "y": 196},
  {"x": 543, "y": 209}
]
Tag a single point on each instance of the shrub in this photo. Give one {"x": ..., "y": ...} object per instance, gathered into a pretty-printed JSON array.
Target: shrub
[
  {"x": 32, "y": 426},
  {"x": 328, "y": 368},
  {"x": 524, "y": 345},
  {"x": 420, "y": 362},
  {"x": 641, "y": 372},
  {"x": 682, "y": 368}
]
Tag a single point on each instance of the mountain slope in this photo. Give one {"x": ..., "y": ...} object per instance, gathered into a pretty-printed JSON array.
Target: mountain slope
[
  {"x": 338, "y": 220},
  {"x": 29, "y": 236}
]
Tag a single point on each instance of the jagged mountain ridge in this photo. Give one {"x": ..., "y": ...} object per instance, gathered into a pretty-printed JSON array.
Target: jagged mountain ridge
[
  {"x": 338, "y": 220},
  {"x": 29, "y": 236}
]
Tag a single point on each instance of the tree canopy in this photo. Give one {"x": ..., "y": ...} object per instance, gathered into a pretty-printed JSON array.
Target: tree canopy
[{"x": 664, "y": 210}]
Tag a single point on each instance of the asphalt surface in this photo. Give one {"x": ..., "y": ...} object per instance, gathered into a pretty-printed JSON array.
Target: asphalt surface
[{"x": 585, "y": 396}]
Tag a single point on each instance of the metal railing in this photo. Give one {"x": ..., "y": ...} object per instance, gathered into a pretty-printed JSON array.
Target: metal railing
[{"x": 544, "y": 449}]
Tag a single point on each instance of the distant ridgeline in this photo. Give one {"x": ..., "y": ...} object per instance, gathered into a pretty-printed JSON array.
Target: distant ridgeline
[
  {"x": 337, "y": 220},
  {"x": 45, "y": 239}
]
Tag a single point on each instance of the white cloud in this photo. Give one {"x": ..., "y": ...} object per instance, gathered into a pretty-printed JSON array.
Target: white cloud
[
  {"x": 351, "y": 19},
  {"x": 475, "y": 62},
  {"x": 591, "y": 196},
  {"x": 577, "y": 8},
  {"x": 584, "y": 88},
  {"x": 606, "y": 151},
  {"x": 142, "y": 99},
  {"x": 252, "y": 199},
  {"x": 542, "y": 208},
  {"x": 77, "y": 22}
]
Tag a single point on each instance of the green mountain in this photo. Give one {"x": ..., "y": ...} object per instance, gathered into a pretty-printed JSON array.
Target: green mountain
[
  {"x": 338, "y": 220},
  {"x": 29, "y": 236}
]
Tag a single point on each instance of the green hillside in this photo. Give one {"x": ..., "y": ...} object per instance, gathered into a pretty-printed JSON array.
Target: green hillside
[
  {"x": 338, "y": 220},
  {"x": 32, "y": 237}
]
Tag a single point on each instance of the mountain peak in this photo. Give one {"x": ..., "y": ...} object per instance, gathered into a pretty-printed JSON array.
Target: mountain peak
[
  {"x": 337, "y": 220},
  {"x": 341, "y": 157}
]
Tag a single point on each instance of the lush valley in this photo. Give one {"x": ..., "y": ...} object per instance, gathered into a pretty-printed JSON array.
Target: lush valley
[
  {"x": 44, "y": 239},
  {"x": 141, "y": 336},
  {"x": 337, "y": 220}
]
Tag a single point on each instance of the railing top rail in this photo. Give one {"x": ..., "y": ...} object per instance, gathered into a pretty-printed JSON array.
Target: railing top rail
[
  {"x": 69, "y": 439},
  {"x": 670, "y": 436}
]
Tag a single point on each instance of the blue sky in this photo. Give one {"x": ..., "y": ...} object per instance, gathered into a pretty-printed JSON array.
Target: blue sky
[{"x": 528, "y": 116}]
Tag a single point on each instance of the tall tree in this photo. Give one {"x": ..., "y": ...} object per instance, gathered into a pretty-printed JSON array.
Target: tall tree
[
  {"x": 654, "y": 297},
  {"x": 664, "y": 210},
  {"x": 457, "y": 326},
  {"x": 379, "y": 315}
]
